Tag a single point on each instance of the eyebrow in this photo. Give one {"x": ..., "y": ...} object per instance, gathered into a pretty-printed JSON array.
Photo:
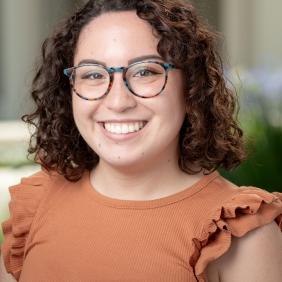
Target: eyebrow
[{"x": 131, "y": 61}]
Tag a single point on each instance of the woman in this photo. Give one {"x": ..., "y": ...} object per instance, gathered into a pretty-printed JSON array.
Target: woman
[{"x": 133, "y": 118}]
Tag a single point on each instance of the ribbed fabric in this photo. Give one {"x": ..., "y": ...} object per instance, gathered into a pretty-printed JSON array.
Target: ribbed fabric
[{"x": 60, "y": 231}]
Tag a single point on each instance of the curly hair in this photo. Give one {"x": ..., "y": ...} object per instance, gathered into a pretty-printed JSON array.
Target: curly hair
[{"x": 210, "y": 136}]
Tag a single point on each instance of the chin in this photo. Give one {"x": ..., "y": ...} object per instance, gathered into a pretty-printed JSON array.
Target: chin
[
  {"x": 124, "y": 164},
  {"x": 124, "y": 159}
]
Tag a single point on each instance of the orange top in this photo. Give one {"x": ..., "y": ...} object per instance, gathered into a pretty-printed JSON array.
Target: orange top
[{"x": 69, "y": 232}]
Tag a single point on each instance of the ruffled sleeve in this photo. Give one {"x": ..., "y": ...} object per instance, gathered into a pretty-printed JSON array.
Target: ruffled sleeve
[
  {"x": 247, "y": 209},
  {"x": 25, "y": 199}
]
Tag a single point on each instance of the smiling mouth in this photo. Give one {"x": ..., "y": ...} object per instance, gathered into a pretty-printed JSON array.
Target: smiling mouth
[{"x": 124, "y": 128}]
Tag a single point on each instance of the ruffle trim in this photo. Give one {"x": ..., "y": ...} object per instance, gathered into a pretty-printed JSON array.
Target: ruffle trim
[
  {"x": 25, "y": 199},
  {"x": 248, "y": 209}
]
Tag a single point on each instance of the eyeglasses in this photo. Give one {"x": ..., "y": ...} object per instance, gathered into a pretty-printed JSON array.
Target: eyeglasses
[{"x": 144, "y": 79}]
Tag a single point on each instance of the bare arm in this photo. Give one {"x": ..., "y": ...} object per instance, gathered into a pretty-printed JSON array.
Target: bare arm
[
  {"x": 4, "y": 276},
  {"x": 255, "y": 257}
]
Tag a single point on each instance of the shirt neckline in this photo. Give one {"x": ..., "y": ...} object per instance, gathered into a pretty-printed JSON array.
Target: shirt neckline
[{"x": 145, "y": 204}]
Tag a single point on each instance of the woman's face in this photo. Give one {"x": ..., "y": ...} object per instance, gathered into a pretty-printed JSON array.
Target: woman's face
[{"x": 115, "y": 39}]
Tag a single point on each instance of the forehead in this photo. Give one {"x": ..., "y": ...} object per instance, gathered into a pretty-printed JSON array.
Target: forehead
[{"x": 116, "y": 38}]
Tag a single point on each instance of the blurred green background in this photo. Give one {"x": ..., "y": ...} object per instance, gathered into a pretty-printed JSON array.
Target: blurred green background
[
  {"x": 260, "y": 94},
  {"x": 252, "y": 56}
]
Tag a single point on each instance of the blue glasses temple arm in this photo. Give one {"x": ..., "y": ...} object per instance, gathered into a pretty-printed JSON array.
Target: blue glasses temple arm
[{"x": 66, "y": 72}]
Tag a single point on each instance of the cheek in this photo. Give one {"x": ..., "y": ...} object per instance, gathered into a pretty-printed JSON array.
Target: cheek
[
  {"x": 175, "y": 110},
  {"x": 172, "y": 104},
  {"x": 83, "y": 110},
  {"x": 175, "y": 92}
]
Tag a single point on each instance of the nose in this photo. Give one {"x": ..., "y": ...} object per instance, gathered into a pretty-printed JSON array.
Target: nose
[{"x": 119, "y": 98}]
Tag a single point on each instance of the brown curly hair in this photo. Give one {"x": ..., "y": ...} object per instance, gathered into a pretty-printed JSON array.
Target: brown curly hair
[{"x": 210, "y": 136}]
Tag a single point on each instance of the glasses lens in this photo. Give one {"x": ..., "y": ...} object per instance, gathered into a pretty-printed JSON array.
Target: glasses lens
[
  {"x": 91, "y": 82},
  {"x": 146, "y": 79}
]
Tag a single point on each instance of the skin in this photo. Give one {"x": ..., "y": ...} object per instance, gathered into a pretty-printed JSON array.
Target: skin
[
  {"x": 255, "y": 257},
  {"x": 146, "y": 166}
]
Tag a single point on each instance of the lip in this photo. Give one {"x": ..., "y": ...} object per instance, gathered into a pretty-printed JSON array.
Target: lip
[
  {"x": 122, "y": 121},
  {"x": 121, "y": 137}
]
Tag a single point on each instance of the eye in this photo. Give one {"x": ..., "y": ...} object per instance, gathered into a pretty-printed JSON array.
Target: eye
[
  {"x": 92, "y": 76},
  {"x": 145, "y": 72}
]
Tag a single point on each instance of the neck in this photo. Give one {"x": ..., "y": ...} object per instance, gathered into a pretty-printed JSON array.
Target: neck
[{"x": 143, "y": 182}]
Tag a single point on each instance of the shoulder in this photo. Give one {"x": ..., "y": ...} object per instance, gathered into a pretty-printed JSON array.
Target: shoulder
[
  {"x": 35, "y": 187},
  {"x": 257, "y": 256},
  {"x": 26, "y": 199},
  {"x": 232, "y": 215}
]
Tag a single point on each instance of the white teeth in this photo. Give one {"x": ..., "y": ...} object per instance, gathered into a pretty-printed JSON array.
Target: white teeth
[
  {"x": 107, "y": 126},
  {"x": 136, "y": 125},
  {"x": 118, "y": 129},
  {"x": 123, "y": 128},
  {"x": 131, "y": 128}
]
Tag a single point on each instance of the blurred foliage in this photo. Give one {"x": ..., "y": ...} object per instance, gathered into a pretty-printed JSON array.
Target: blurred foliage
[
  {"x": 1, "y": 236},
  {"x": 3, "y": 217},
  {"x": 262, "y": 168},
  {"x": 260, "y": 94}
]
